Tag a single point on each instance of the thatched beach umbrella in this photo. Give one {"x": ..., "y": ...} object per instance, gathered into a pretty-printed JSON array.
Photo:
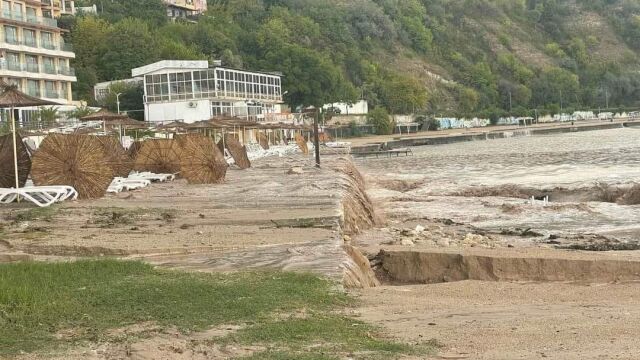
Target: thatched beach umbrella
[
  {"x": 7, "y": 162},
  {"x": 302, "y": 144},
  {"x": 117, "y": 157},
  {"x": 11, "y": 98},
  {"x": 237, "y": 151},
  {"x": 201, "y": 161},
  {"x": 158, "y": 156},
  {"x": 263, "y": 141},
  {"x": 112, "y": 119},
  {"x": 74, "y": 160},
  {"x": 133, "y": 149}
]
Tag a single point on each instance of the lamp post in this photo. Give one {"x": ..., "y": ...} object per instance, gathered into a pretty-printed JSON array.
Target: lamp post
[
  {"x": 316, "y": 137},
  {"x": 118, "y": 102},
  {"x": 118, "y": 108}
]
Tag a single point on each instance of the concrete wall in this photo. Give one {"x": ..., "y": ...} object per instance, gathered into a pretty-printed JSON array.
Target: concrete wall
[{"x": 178, "y": 111}]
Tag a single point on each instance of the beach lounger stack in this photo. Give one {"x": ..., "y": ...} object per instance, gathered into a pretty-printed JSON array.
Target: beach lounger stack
[{"x": 137, "y": 181}]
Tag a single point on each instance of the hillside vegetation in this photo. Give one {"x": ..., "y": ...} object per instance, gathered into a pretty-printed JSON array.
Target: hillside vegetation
[{"x": 439, "y": 57}]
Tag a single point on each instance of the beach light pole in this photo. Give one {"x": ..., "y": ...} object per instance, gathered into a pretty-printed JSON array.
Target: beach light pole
[
  {"x": 316, "y": 137},
  {"x": 118, "y": 108},
  {"x": 118, "y": 102}
]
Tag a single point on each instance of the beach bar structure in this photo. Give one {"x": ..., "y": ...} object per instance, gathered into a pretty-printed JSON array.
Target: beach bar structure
[{"x": 191, "y": 91}]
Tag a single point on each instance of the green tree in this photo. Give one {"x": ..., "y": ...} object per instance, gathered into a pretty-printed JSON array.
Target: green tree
[
  {"x": 380, "y": 119},
  {"x": 131, "y": 44},
  {"x": 402, "y": 94},
  {"x": 152, "y": 11},
  {"x": 131, "y": 99}
]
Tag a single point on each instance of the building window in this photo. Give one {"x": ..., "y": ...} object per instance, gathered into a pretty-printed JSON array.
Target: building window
[
  {"x": 6, "y": 9},
  {"x": 47, "y": 40},
  {"x": 11, "y": 35},
  {"x": 33, "y": 88},
  {"x": 222, "y": 109},
  {"x": 32, "y": 15},
  {"x": 49, "y": 65},
  {"x": 13, "y": 61},
  {"x": 63, "y": 90},
  {"x": 30, "y": 37},
  {"x": 181, "y": 86},
  {"x": 157, "y": 87},
  {"x": 51, "y": 90},
  {"x": 32, "y": 63},
  {"x": 17, "y": 10}
]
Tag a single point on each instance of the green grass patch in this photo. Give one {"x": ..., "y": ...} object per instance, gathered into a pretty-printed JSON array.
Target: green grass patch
[
  {"x": 325, "y": 334},
  {"x": 88, "y": 298},
  {"x": 41, "y": 214}
]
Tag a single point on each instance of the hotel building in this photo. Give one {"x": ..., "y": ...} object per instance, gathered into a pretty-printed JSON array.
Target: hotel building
[{"x": 33, "y": 54}]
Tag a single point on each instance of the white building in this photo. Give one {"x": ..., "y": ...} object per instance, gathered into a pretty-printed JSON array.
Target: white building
[
  {"x": 359, "y": 108},
  {"x": 190, "y": 91},
  {"x": 181, "y": 9}
]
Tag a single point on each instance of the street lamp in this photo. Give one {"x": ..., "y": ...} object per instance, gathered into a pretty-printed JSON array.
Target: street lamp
[
  {"x": 118, "y": 102},
  {"x": 118, "y": 105}
]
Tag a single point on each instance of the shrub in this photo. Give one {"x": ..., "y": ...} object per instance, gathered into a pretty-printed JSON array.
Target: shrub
[{"x": 380, "y": 119}]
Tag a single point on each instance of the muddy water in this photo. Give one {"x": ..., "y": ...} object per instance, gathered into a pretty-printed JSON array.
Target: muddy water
[{"x": 432, "y": 184}]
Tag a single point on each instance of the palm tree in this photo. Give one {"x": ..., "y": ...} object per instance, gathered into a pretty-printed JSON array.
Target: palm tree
[
  {"x": 48, "y": 116},
  {"x": 80, "y": 112}
]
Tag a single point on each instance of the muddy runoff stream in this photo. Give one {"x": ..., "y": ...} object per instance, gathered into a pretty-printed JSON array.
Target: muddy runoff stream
[{"x": 575, "y": 191}]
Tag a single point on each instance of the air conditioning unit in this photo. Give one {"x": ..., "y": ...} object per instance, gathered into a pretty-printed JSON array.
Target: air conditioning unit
[{"x": 193, "y": 104}]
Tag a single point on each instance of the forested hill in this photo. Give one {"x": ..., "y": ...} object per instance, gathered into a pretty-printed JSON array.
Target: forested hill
[{"x": 456, "y": 57}]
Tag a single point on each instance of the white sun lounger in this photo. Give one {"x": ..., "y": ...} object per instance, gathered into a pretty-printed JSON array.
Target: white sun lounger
[
  {"x": 61, "y": 192},
  {"x": 39, "y": 196},
  {"x": 152, "y": 177},
  {"x": 131, "y": 184}
]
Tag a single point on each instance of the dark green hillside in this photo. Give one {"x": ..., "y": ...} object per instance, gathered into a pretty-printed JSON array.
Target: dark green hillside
[{"x": 456, "y": 57}]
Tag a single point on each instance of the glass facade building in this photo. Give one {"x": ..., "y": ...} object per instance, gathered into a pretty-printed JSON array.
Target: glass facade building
[{"x": 179, "y": 87}]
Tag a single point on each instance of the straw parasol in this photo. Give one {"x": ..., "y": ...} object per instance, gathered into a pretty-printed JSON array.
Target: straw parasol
[
  {"x": 112, "y": 119},
  {"x": 12, "y": 98},
  {"x": 263, "y": 140},
  {"x": 238, "y": 152},
  {"x": 133, "y": 149},
  {"x": 102, "y": 115},
  {"x": 302, "y": 144},
  {"x": 202, "y": 162},
  {"x": 118, "y": 158},
  {"x": 7, "y": 163},
  {"x": 158, "y": 156},
  {"x": 74, "y": 160}
]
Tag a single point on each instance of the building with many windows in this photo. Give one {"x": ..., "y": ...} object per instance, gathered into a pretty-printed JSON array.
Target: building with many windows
[
  {"x": 191, "y": 91},
  {"x": 33, "y": 54}
]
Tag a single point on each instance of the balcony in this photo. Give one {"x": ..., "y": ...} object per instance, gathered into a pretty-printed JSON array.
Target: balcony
[
  {"x": 46, "y": 44},
  {"x": 33, "y": 68},
  {"x": 18, "y": 16},
  {"x": 30, "y": 42},
  {"x": 51, "y": 94},
  {"x": 11, "y": 40},
  {"x": 33, "y": 92},
  {"x": 50, "y": 69},
  {"x": 14, "y": 66},
  {"x": 67, "y": 71}
]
